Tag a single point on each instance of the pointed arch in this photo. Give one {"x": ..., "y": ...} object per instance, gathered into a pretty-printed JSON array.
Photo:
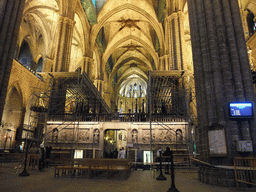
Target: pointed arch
[{"x": 155, "y": 24}]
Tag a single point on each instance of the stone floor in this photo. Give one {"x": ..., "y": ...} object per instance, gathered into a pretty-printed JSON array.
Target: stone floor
[{"x": 138, "y": 181}]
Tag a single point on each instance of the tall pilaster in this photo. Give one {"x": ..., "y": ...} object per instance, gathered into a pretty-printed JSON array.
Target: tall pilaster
[
  {"x": 222, "y": 71},
  {"x": 10, "y": 19}
]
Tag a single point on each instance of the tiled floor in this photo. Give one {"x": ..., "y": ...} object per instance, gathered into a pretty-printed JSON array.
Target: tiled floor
[{"x": 138, "y": 181}]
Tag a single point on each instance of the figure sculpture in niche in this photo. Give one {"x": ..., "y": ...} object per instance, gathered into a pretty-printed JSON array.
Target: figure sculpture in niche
[
  {"x": 134, "y": 136},
  {"x": 96, "y": 136},
  {"x": 55, "y": 135}
]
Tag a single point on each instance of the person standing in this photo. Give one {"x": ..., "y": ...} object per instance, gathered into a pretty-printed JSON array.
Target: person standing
[
  {"x": 48, "y": 154},
  {"x": 167, "y": 152},
  {"x": 41, "y": 157}
]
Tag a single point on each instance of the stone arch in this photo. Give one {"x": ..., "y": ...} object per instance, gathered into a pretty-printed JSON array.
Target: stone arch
[
  {"x": 251, "y": 5},
  {"x": 80, "y": 40},
  {"x": 25, "y": 56},
  {"x": 129, "y": 37},
  {"x": 12, "y": 115},
  {"x": 251, "y": 22},
  {"x": 86, "y": 30},
  {"x": 144, "y": 78},
  {"x": 27, "y": 111},
  {"x": 138, "y": 80},
  {"x": 39, "y": 18},
  {"x": 159, "y": 31},
  {"x": 119, "y": 64},
  {"x": 44, "y": 16},
  {"x": 39, "y": 66},
  {"x": 179, "y": 135}
]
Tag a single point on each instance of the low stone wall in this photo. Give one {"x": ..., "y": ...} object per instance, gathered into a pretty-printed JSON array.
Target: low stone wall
[
  {"x": 220, "y": 176},
  {"x": 217, "y": 176}
]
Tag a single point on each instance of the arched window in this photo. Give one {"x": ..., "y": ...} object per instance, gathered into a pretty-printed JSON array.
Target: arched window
[
  {"x": 179, "y": 135},
  {"x": 251, "y": 23},
  {"x": 25, "y": 56},
  {"x": 12, "y": 117},
  {"x": 78, "y": 70},
  {"x": 39, "y": 65}
]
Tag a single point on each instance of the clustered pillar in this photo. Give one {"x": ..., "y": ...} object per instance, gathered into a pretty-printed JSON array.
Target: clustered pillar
[
  {"x": 175, "y": 41},
  {"x": 63, "y": 50},
  {"x": 10, "y": 19},
  {"x": 62, "y": 61},
  {"x": 222, "y": 72}
]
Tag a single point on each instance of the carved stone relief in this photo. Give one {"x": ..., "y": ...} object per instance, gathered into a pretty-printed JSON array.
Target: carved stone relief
[
  {"x": 67, "y": 135},
  {"x": 146, "y": 136},
  {"x": 84, "y": 135},
  {"x": 165, "y": 136}
]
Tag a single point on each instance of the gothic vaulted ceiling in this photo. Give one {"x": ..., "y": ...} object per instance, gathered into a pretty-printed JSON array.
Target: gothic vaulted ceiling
[
  {"x": 127, "y": 33},
  {"x": 133, "y": 39}
]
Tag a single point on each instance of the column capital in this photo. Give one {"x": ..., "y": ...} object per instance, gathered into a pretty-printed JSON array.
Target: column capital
[
  {"x": 172, "y": 16},
  {"x": 163, "y": 57},
  {"x": 47, "y": 65},
  {"x": 88, "y": 59},
  {"x": 67, "y": 20},
  {"x": 87, "y": 62}
]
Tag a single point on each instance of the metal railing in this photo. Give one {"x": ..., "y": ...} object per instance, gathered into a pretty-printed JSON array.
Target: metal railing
[
  {"x": 245, "y": 170},
  {"x": 124, "y": 117}
]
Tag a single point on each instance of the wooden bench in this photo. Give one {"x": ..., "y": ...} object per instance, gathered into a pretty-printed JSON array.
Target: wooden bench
[
  {"x": 120, "y": 166},
  {"x": 65, "y": 166},
  {"x": 80, "y": 166}
]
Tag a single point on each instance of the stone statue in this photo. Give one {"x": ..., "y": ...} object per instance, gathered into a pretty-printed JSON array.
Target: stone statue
[
  {"x": 134, "y": 136},
  {"x": 96, "y": 136},
  {"x": 55, "y": 135}
]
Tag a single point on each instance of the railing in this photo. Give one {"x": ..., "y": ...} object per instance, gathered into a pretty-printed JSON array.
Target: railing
[
  {"x": 124, "y": 117},
  {"x": 11, "y": 159},
  {"x": 245, "y": 170}
]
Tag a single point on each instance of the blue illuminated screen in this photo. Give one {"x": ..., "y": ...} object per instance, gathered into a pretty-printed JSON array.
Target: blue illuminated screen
[{"x": 241, "y": 109}]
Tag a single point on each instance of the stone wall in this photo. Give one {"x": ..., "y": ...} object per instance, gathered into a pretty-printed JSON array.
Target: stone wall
[{"x": 89, "y": 135}]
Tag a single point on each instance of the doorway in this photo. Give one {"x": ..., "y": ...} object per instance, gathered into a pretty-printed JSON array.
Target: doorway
[{"x": 114, "y": 140}]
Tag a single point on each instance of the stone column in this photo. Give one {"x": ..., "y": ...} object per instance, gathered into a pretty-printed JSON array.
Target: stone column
[
  {"x": 161, "y": 63},
  {"x": 244, "y": 14},
  {"x": 64, "y": 41},
  {"x": 222, "y": 71},
  {"x": 10, "y": 19},
  {"x": 99, "y": 85},
  {"x": 64, "y": 37},
  {"x": 175, "y": 41},
  {"x": 86, "y": 67},
  {"x": 47, "y": 65}
]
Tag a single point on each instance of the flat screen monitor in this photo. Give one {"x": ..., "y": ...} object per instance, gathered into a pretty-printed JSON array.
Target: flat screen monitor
[{"x": 241, "y": 110}]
